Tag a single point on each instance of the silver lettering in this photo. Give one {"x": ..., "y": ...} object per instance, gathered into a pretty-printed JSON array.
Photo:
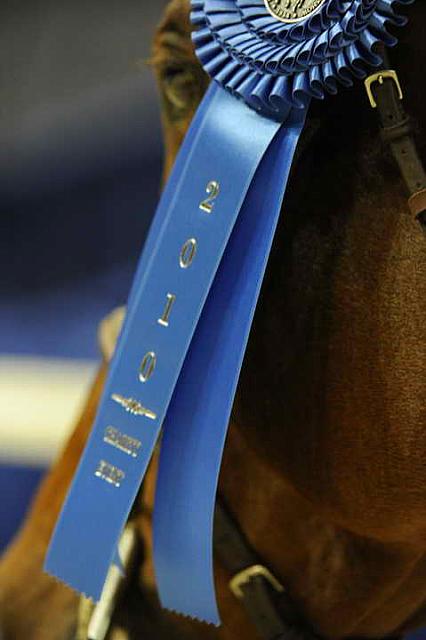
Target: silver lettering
[
  {"x": 187, "y": 253},
  {"x": 164, "y": 320}
]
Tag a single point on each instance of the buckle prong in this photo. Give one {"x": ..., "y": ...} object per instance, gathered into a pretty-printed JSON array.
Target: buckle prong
[
  {"x": 380, "y": 77},
  {"x": 243, "y": 577}
]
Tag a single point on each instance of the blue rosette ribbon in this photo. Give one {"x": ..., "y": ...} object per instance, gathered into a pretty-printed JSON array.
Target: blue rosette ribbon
[
  {"x": 275, "y": 66},
  {"x": 178, "y": 359}
]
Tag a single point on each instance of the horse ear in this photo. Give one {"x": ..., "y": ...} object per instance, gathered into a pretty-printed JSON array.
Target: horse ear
[
  {"x": 181, "y": 78},
  {"x": 177, "y": 11}
]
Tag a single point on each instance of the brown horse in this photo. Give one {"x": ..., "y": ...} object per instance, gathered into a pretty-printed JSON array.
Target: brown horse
[{"x": 325, "y": 466}]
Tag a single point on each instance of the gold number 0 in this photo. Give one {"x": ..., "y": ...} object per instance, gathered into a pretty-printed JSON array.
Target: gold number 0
[{"x": 212, "y": 190}]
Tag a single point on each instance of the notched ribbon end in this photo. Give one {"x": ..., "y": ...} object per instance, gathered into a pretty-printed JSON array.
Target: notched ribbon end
[
  {"x": 63, "y": 583},
  {"x": 213, "y": 622}
]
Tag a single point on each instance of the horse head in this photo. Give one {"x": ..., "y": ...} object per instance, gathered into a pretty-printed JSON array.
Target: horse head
[
  {"x": 330, "y": 402},
  {"x": 324, "y": 464}
]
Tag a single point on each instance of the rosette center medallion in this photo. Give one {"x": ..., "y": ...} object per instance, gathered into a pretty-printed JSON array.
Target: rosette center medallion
[{"x": 292, "y": 10}]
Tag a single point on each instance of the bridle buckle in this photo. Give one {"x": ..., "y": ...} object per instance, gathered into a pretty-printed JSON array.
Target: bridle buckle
[
  {"x": 380, "y": 77},
  {"x": 243, "y": 578}
]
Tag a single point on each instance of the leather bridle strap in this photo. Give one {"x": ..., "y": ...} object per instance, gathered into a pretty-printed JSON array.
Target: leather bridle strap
[
  {"x": 386, "y": 96},
  {"x": 267, "y": 603},
  {"x": 265, "y": 600}
]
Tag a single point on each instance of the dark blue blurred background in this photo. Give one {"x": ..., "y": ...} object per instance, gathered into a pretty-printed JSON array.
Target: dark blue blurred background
[
  {"x": 80, "y": 160},
  {"x": 79, "y": 165}
]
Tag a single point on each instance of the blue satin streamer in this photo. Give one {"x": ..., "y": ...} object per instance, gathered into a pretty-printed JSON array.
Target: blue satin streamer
[
  {"x": 197, "y": 420},
  {"x": 226, "y": 143}
]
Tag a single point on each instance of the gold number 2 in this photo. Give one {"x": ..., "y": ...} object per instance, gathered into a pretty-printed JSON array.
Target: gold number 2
[{"x": 212, "y": 190}]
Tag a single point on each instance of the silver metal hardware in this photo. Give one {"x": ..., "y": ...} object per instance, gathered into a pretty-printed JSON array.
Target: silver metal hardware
[
  {"x": 100, "y": 620},
  {"x": 243, "y": 578}
]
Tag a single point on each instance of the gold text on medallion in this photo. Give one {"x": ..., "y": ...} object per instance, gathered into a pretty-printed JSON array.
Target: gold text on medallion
[{"x": 292, "y": 10}]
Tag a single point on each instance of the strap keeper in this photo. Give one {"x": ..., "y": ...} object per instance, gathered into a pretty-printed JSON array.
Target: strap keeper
[
  {"x": 243, "y": 578},
  {"x": 397, "y": 131}
]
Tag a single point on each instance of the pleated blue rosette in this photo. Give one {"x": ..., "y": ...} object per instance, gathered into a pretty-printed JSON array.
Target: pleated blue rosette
[{"x": 274, "y": 65}]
